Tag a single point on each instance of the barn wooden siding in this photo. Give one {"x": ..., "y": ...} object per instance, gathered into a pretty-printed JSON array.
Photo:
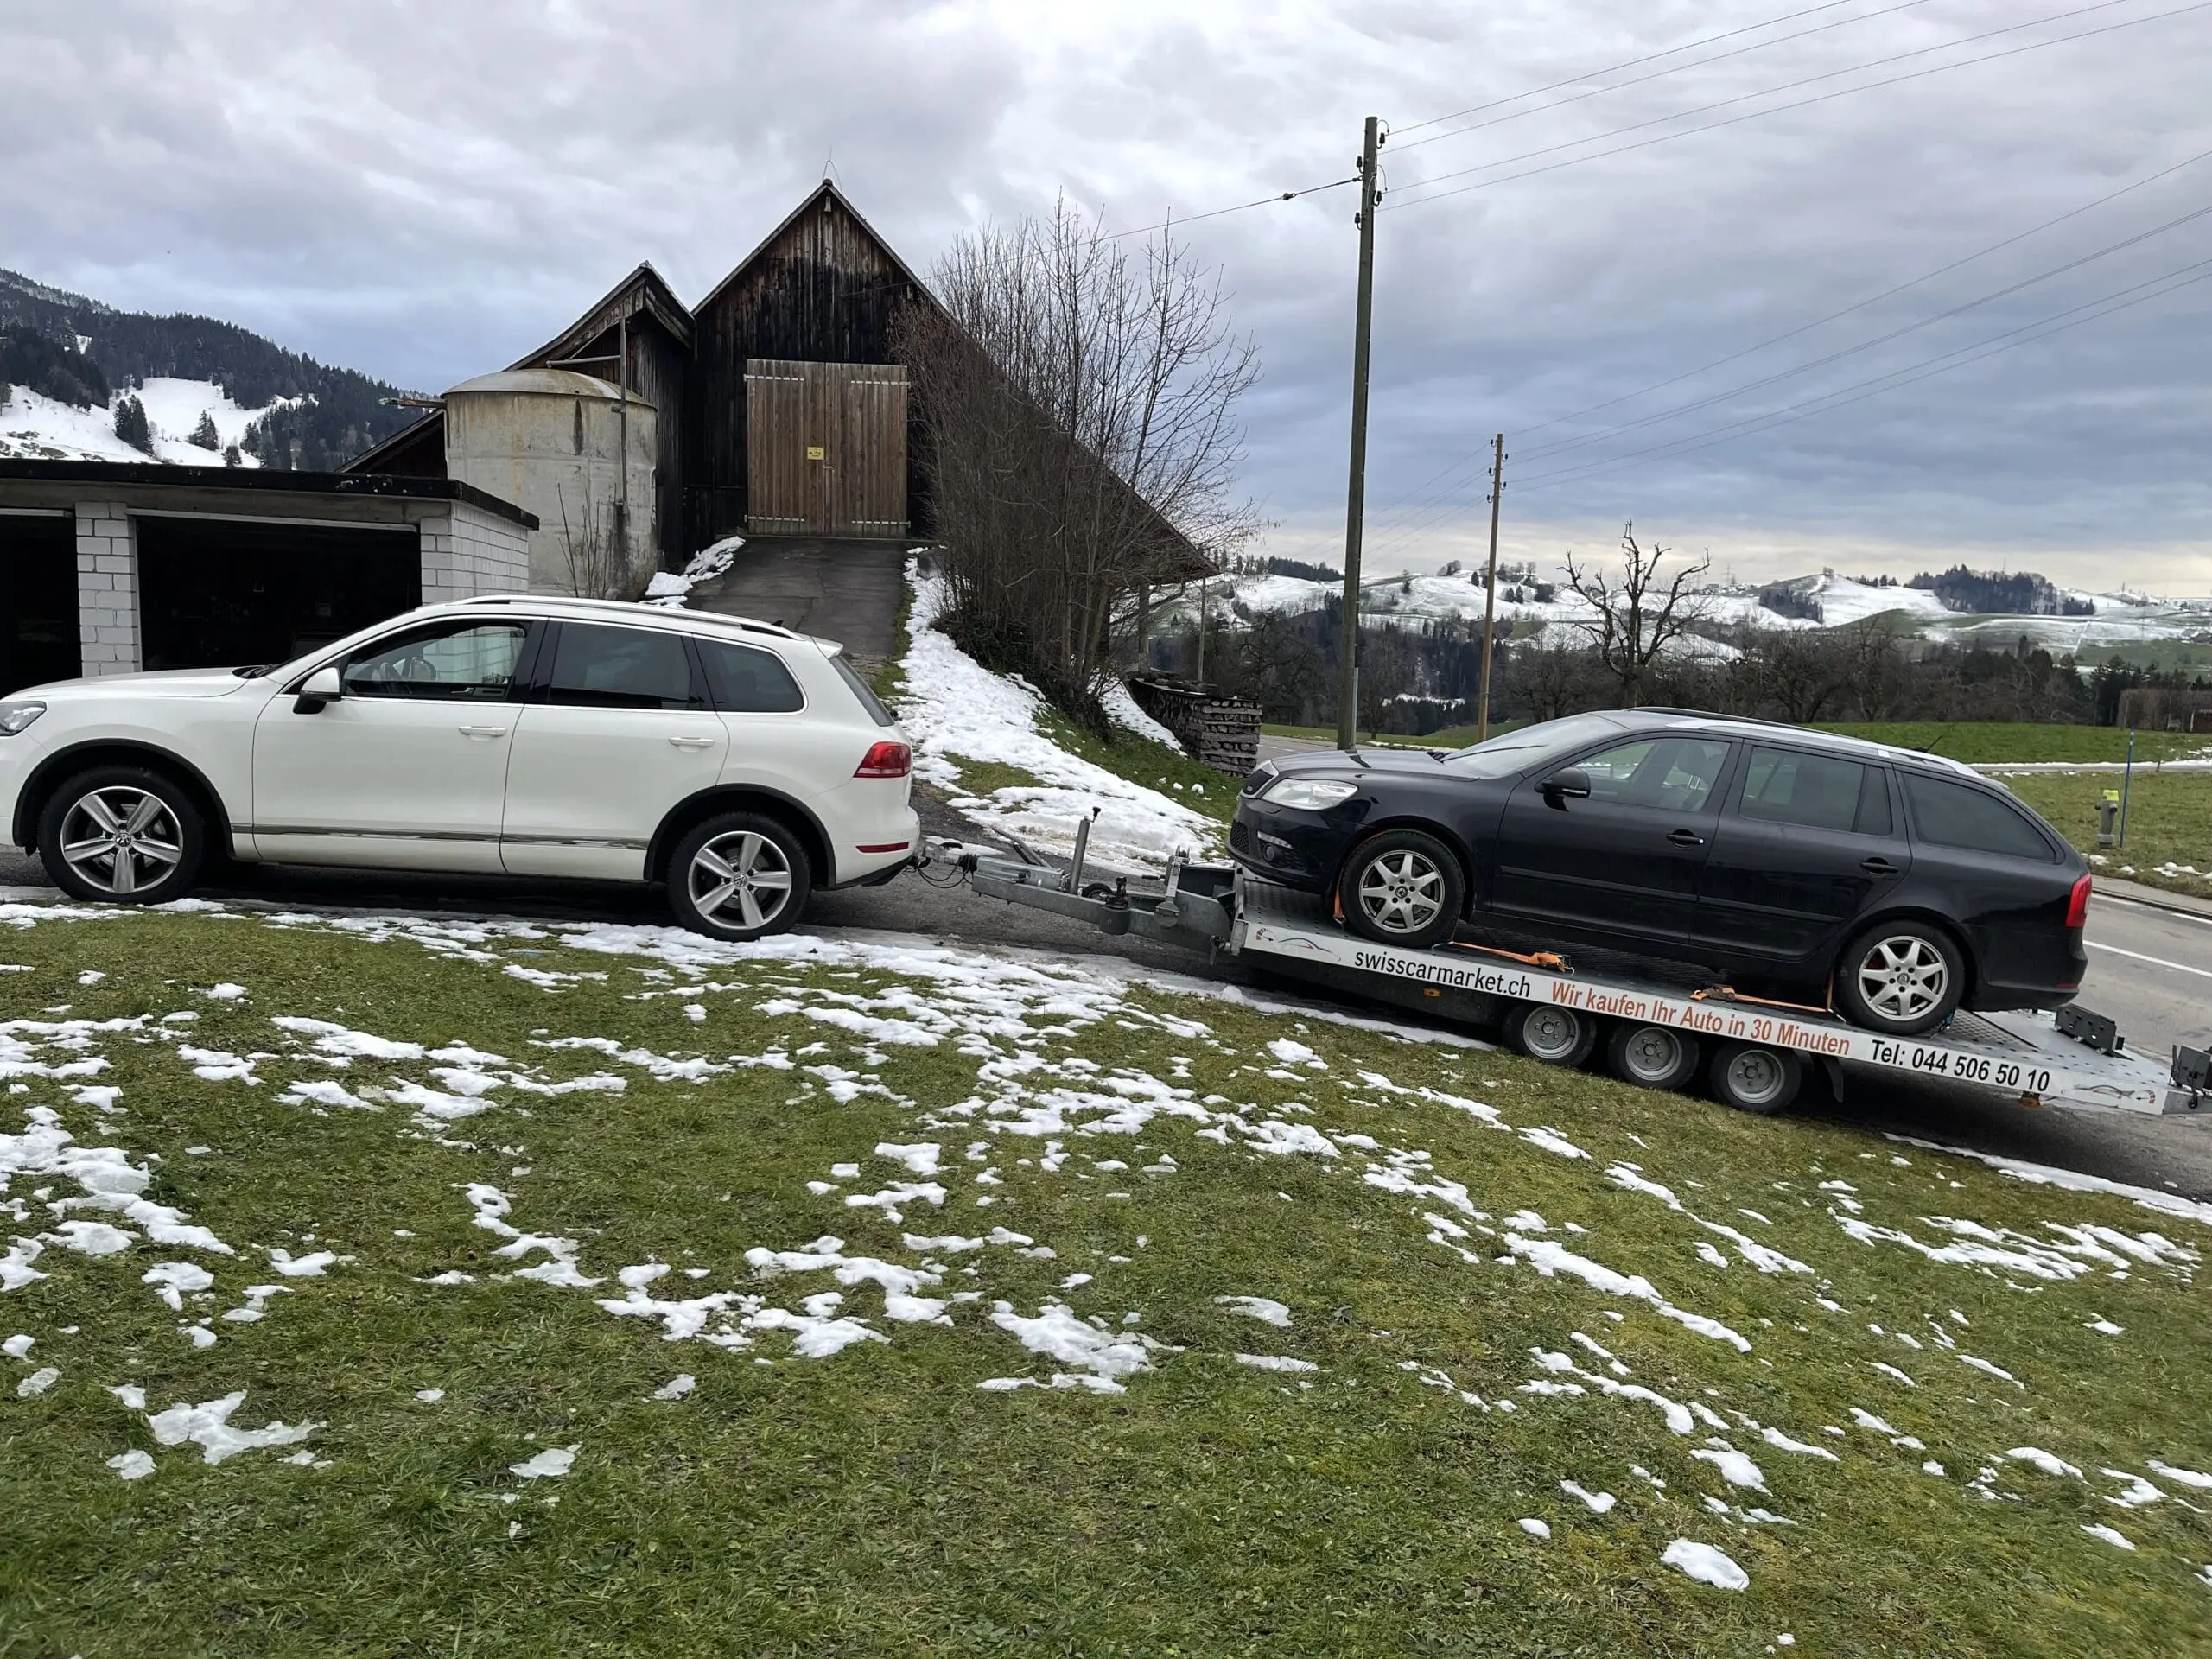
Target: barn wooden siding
[{"x": 823, "y": 289}]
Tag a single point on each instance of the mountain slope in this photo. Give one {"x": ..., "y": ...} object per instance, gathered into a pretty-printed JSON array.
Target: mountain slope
[{"x": 299, "y": 412}]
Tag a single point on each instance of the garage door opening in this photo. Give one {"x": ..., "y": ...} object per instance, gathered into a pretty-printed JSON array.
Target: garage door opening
[
  {"x": 215, "y": 593},
  {"x": 38, "y": 600}
]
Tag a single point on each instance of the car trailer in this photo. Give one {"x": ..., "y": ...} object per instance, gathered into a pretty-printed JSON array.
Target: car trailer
[{"x": 1751, "y": 1052}]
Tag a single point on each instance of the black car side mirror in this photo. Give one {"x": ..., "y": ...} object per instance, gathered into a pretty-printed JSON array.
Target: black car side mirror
[
  {"x": 323, "y": 686},
  {"x": 1572, "y": 785}
]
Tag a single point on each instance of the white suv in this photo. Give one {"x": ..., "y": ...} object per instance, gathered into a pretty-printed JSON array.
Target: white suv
[{"x": 741, "y": 764}]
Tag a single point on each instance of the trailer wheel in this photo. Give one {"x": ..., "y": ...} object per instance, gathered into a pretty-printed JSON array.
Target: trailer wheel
[
  {"x": 1753, "y": 1079},
  {"x": 1651, "y": 1057},
  {"x": 1555, "y": 1036}
]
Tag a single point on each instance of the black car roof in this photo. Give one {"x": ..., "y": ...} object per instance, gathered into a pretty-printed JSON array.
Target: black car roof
[{"x": 1802, "y": 736}]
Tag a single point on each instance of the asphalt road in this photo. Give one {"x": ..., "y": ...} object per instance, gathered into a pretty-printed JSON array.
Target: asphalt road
[{"x": 2149, "y": 967}]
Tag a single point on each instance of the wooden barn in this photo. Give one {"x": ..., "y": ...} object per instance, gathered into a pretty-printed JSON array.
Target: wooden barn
[{"x": 781, "y": 412}]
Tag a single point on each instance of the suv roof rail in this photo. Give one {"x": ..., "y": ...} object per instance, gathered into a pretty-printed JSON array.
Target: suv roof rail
[{"x": 630, "y": 607}]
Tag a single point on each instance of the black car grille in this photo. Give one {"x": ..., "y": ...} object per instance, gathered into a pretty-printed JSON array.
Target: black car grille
[{"x": 1240, "y": 836}]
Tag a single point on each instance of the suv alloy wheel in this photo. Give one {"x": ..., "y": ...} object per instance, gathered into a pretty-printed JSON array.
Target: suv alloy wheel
[{"x": 122, "y": 835}]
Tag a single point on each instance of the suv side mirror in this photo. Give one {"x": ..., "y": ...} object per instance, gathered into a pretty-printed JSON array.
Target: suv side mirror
[
  {"x": 323, "y": 686},
  {"x": 1572, "y": 785}
]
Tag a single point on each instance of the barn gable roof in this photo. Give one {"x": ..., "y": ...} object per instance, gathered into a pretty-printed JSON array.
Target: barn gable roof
[
  {"x": 828, "y": 193},
  {"x": 645, "y": 292}
]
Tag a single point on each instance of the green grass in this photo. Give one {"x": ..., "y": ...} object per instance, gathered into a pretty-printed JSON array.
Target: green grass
[
  {"x": 877, "y": 1500},
  {"x": 1995, "y": 742},
  {"x": 2169, "y": 822},
  {"x": 1156, "y": 766}
]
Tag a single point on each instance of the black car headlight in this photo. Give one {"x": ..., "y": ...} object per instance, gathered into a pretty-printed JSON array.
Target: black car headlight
[
  {"x": 15, "y": 716},
  {"x": 1309, "y": 794}
]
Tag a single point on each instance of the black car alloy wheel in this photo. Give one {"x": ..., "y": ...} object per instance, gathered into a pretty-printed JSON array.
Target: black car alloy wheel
[
  {"x": 1402, "y": 887},
  {"x": 1902, "y": 978}
]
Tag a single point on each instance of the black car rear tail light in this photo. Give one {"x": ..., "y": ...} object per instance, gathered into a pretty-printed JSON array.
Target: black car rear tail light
[{"x": 2077, "y": 906}]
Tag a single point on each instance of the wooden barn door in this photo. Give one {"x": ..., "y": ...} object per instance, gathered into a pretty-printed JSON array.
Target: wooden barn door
[{"x": 825, "y": 449}]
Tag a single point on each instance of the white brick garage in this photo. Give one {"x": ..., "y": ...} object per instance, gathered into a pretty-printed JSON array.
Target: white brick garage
[{"x": 247, "y": 565}]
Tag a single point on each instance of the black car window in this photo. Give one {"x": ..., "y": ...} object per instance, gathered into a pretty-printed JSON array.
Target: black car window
[
  {"x": 1957, "y": 815},
  {"x": 462, "y": 661},
  {"x": 745, "y": 681},
  {"x": 1676, "y": 773},
  {"x": 597, "y": 667},
  {"x": 1817, "y": 791}
]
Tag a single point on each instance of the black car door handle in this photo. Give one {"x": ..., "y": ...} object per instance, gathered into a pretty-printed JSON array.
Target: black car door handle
[
  {"x": 1685, "y": 838},
  {"x": 1879, "y": 866}
]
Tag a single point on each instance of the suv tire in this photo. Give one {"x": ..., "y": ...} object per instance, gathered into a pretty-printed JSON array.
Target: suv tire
[
  {"x": 122, "y": 836},
  {"x": 1900, "y": 977},
  {"x": 1402, "y": 887},
  {"x": 738, "y": 875}
]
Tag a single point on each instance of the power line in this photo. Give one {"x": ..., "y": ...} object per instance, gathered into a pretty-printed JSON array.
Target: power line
[
  {"x": 1243, "y": 206},
  {"x": 1632, "y": 63},
  {"x": 1420, "y": 510},
  {"x": 1868, "y": 344},
  {"x": 1656, "y": 75},
  {"x": 1779, "y": 109},
  {"x": 1912, "y": 372}
]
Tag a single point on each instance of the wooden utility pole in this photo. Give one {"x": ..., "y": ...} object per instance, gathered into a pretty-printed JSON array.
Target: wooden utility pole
[
  {"x": 1356, "y": 495},
  {"x": 1489, "y": 589}
]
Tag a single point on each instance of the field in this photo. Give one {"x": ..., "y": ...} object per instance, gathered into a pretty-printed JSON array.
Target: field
[
  {"x": 2169, "y": 822},
  {"x": 1999, "y": 742},
  {"x": 390, "y": 1286}
]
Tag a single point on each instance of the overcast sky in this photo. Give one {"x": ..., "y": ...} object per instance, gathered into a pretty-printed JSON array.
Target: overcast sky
[{"x": 426, "y": 190}]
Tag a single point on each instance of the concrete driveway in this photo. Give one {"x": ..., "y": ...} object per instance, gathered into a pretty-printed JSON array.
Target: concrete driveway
[{"x": 850, "y": 592}]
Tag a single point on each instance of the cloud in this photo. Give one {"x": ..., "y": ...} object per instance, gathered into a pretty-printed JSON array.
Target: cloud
[{"x": 423, "y": 190}]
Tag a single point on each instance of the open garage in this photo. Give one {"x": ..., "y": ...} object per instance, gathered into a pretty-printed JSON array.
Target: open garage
[{"x": 38, "y": 599}]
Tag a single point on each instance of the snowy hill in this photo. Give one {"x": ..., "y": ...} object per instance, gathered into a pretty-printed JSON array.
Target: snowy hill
[
  {"x": 1824, "y": 600},
  {"x": 37, "y": 428},
  {"x": 282, "y": 407}
]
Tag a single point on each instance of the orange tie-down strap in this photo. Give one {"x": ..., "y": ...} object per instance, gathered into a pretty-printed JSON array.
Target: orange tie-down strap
[
  {"x": 1730, "y": 994},
  {"x": 1550, "y": 960}
]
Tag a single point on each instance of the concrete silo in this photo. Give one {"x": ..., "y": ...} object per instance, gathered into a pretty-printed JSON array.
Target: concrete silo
[{"x": 576, "y": 451}]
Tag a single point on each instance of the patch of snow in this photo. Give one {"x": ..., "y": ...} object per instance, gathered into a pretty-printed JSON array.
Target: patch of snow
[
  {"x": 677, "y": 1387},
  {"x": 1599, "y": 1503},
  {"x": 548, "y": 1464},
  {"x": 2118, "y": 1539},
  {"x": 37, "y": 1383},
  {"x": 132, "y": 1466},
  {"x": 1258, "y": 1307},
  {"x": 209, "y": 1426},
  {"x": 954, "y": 708},
  {"x": 1706, "y": 1564},
  {"x": 670, "y": 589},
  {"x": 1275, "y": 1363},
  {"x": 1534, "y": 1528}
]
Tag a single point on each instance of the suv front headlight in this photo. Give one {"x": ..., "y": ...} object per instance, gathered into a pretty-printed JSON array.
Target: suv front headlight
[
  {"x": 1309, "y": 794},
  {"x": 15, "y": 716}
]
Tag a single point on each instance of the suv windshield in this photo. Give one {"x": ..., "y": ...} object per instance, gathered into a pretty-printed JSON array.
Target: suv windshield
[{"x": 1512, "y": 752}]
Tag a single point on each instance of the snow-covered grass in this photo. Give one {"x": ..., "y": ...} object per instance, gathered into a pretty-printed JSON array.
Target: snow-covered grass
[
  {"x": 923, "y": 1301},
  {"x": 37, "y": 428},
  {"x": 1007, "y": 761}
]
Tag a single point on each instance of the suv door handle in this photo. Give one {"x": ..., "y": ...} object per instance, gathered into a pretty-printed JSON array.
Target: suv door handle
[
  {"x": 1685, "y": 838},
  {"x": 483, "y": 731},
  {"x": 691, "y": 743},
  {"x": 1879, "y": 866}
]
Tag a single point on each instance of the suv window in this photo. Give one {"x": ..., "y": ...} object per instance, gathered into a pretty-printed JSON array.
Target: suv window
[
  {"x": 597, "y": 667},
  {"x": 465, "y": 662},
  {"x": 746, "y": 681},
  {"x": 1816, "y": 791},
  {"x": 1954, "y": 815},
  {"x": 862, "y": 690},
  {"x": 1676, "y": 773}
]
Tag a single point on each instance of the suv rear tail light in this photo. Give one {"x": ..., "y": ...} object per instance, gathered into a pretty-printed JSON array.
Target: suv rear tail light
[
  {"x": 2077, "y": 907},
  {"x": 886, "y": 759}
]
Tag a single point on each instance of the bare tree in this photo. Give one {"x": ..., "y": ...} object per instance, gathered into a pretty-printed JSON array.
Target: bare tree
[
  {"x": 1637, "y": 613},
  {"x": 1077, "y": 402}
]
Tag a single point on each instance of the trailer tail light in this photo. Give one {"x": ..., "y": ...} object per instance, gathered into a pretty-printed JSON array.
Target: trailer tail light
[
  {"x": 886, "y": 759},
  {"x": 2077, "y": 907}
]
